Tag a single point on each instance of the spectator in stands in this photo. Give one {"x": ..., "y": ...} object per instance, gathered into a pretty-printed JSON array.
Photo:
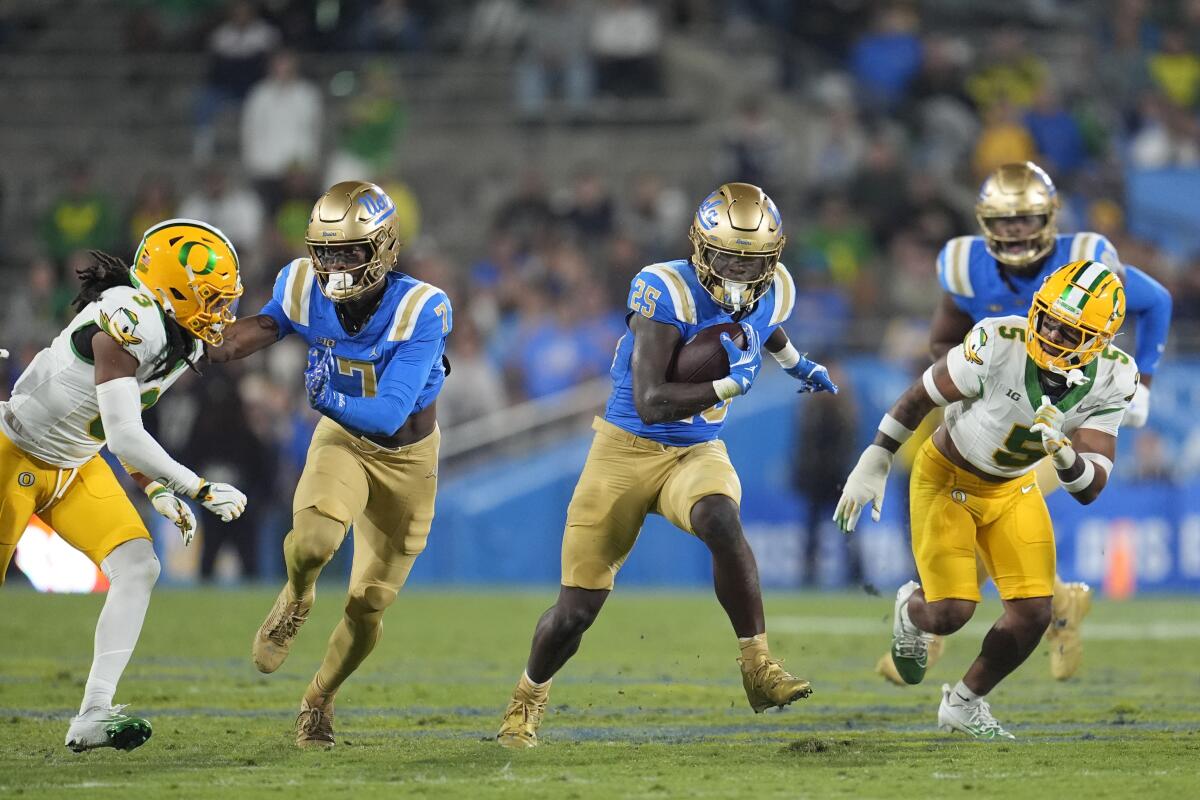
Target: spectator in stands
[
  {"x": 753, "y": 148},
  {"x": 153, "y": 202},
  {"x": 1004, "y": 139},
  {"x": 391, "y": 25},
  {"x": 236, "y": 210},
  {"x": 826, "y": 438},
  {"x": 34, "y": 310},
  {"x": 80, "y": 218},
  {"x": 238, "y": 50},
  {"x": 1009, "y": 74},
  {"x": 653, "y": 218},
  {"x": 836, "y": 143},
  {"x": 876, "y": 192},
  {"x": 1056, "y": 133},
  {"x": 478, "y": 387},
  {"x": 885, "y": 60},
  {"x": 290, "y": 218},
  {"x": 372, "y": 122},
  {"x": 528, "y": 214},
  {"x": 941, "y": 115},
  {"x": 1175, "y": 69},
  {"x": 838, "y": 238},
  {"x": 627, "y": 40},
  {"x": 1167, "y": 136},
  {"x": 555, "y": 57},
  {"x": 590, "y": 212},
  {"x": 281, "y": 128}
]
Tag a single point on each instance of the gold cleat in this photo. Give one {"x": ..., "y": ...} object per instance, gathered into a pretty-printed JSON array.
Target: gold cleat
[
  {"x": 274, "y": 638},
  {"x": 314, "y": 726},
  {"x": 887, "y": 668},
  {"x": 769, "y": 685},
  {"x": 524, "y": 714},
  {"x": 1071, "y": 603}
]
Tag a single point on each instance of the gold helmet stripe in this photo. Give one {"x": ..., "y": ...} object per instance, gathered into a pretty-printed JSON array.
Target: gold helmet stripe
[
  {"x": 297, "y": 292},
  {"x": 409, "y": 311},
  {"x": 681, "y": 295},
  {"x": 785, "y": 295}
]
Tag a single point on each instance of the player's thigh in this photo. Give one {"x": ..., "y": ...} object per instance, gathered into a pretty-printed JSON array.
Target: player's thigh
[
  {"x": 26, "y": 487},
  {"x": 1019, "y": 547},
  {"x": 95, "y": 515},
  {"x": 943, "y": 533},
  {"x": 615, "y": 491},
  {"x": 403, "y": 493},
  {"x": 334, "y": 480},
  {"x": 704, "y": 470}
]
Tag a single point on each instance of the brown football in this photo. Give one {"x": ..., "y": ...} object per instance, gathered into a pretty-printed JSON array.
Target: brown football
[{"x": 702, "y": 358}]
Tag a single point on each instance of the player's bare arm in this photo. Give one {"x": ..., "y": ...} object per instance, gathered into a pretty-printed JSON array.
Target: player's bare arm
[
  {"x": 911, "y": 408},
  {"x": 950, "y": 324},
  {"x": 244, "y": 337},
  {"x": 112, "y": 360},
  {"x": 656, "y": 399}
]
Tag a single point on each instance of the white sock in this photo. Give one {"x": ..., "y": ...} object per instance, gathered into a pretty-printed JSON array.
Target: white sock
[
  {"x": 132, "y": 569},
  {"x": 534, "y": 683},
  {"x": 961, "y": 693},
  {"x": 905, "y": 618}
]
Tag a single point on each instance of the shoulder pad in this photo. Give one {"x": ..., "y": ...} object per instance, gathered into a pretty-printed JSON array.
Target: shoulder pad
[
  {"x": 409, "y": 311},
  {"x": 666, "y": 277},
  {"x": 954, "y": 266},
  {"x": 293, "y": 289},
  {"x": 785, "y": 295}
]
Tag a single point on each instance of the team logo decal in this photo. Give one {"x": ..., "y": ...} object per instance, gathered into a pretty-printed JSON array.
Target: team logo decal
[
  {"x": 959, "y": 496},
  {"x": 973, "y": 344},
  {"x": 25, "y": 479},
  {"x": 707, "y": 214},
  {"x": 120, "y": 326}
]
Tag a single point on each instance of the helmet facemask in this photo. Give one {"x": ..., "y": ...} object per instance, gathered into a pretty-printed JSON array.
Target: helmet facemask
[
  {"x": 730, "y": 277},
  {"x": 342, "y": 285},
  {"x": 1018, "y": 252},
  {"x": 1018, "y": 192}
]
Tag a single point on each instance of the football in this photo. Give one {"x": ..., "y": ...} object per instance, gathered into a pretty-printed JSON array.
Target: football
[{"x": 702, "y": 358}]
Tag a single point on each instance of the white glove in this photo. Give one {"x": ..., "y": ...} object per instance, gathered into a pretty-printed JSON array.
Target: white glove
[
  {"x": 174, "y": 509},
  {"x": 1048, "y": 421},
  {"x": 1139, "y": 407},
  {"x": 865, "y": 484},
  {"x": 222, "y": 499}
]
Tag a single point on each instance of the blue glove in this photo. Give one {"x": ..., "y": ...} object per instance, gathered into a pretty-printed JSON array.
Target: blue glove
[
  {"x": 743, "y": 364},
  {"x": 321, "y": 394},
  {"x": 812, "y": 376}
]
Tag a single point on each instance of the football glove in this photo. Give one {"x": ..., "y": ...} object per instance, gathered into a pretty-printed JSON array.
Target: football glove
[
  {"x": 1139, "y": 407},
  {"x": 865, "y": 485},
  {"x": 321, "y": 394},
  {"x": 813, "y": 377},
  {"x": 743, "y": 364},
  {"x": 1048, "y": 421},
  {"x": 174, "y": 509},
  {"x": 221, "y": 499}
]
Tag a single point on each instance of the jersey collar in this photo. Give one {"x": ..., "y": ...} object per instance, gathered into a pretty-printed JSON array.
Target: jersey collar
[{"x": 1033, "y": 388}]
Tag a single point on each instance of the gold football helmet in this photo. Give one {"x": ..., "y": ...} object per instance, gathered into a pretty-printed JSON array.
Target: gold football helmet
[
  {"x": 353, "y": 213},
  {"x": 1018, "y": 190},
  {"x": 1087, "y": 301},
  {"x": 736, "y": 222},
  {"x": 191, "y": 268}
]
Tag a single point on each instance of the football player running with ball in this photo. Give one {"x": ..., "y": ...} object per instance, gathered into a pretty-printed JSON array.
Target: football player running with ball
[
  {"x": 375, "y": 369},
  {"x": 138, "y": 329},
  {"x": 1015, "y": 391},
  {"x": 656, "y": 449},
  {"x": 997, "y": 274}
]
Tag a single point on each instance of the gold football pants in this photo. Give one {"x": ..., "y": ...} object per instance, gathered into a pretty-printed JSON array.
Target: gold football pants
[
  {"x": 625, "y": 478},
  {"x": 955, "y": 513},
  {"x": 86, "y": 505},
  {"x": 387, "y": 495}
]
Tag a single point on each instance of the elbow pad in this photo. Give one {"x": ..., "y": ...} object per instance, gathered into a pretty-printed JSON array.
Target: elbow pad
[{"x": 121, "y": 414}]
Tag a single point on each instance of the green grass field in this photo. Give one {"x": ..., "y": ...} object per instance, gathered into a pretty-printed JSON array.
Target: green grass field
[{"x": 651, "y": 707}]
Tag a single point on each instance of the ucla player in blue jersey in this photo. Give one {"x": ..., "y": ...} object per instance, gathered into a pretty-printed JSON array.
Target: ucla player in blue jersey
[
  {"x": 375, "y": 368},
  {"x": 997, "y": 274},
  {"x": 656, "y": 449}
]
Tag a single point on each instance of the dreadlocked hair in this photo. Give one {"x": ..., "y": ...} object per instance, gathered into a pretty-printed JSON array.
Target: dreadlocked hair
[{"x": 107, "y": 271}]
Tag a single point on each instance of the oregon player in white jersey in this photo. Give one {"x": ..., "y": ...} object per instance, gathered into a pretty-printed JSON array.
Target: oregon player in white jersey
[
  {"x": 1014, "y": 391},
  {"x": 137, "y": 330}
]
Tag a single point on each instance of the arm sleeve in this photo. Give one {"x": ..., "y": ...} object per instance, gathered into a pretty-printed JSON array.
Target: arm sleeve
[
  {"x": 970, "y": 361},
  {"x": 273, "y": 308},
  {"x": 1150, "y": 301},
  {"x": 121, "y": 415}
]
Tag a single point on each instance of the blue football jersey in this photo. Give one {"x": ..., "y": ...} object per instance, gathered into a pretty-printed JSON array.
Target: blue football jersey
[
  {"x": 670, "y": 293},
  {"x": 974, "y": 278},
  {"x": 396, "y": 357}
]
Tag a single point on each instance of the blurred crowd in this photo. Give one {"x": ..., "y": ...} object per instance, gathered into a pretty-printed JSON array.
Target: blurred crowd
[{"x": 870, "y": 123}]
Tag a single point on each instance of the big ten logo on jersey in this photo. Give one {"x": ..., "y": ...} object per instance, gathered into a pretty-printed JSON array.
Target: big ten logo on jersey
[{"x": 379, "y": 206}]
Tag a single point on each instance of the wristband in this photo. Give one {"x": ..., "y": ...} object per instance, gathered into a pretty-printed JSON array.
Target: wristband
[
  {"x": 892, "y": 428},
  {"x": 935, "y": 394},
  {"x": 1100, "y": 461},
  {"x": 788, "y": 357},
  {"x": 1083, "y": 481},
  {"x": 153, "y": 489},
  {"x": 726, "y": 388}
]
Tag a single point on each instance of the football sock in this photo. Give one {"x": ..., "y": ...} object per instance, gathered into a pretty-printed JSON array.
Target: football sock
[
  {"x": 752, "y": 646},
  {"x": 132, "y": 569},
  {"x": 531, "y": 686},
  {"x": 963, "y": 694}
]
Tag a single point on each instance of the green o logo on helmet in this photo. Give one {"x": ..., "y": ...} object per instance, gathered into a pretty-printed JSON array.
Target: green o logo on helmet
[{"x": 186, "y": 251}]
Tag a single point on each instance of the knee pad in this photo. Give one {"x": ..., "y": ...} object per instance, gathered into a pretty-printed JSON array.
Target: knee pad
[
  {"x": 369, "y": 599},
  {"x": 315, "y": 536},
  {"x": 131, "y": 563}
]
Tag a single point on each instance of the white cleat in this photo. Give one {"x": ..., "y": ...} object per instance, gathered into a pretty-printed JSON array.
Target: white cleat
[
  {"x": 974, "y": 719},
  {"x": 107, "y": 727}
]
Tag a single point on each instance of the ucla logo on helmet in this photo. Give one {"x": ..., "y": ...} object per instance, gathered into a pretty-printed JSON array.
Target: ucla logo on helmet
[{"x": 707, "y": 215}]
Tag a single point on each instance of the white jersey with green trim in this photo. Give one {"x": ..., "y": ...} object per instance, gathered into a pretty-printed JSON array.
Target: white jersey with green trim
[
  {"x": 991, "y": 367},
  {"x": 53, "y": 414}
]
